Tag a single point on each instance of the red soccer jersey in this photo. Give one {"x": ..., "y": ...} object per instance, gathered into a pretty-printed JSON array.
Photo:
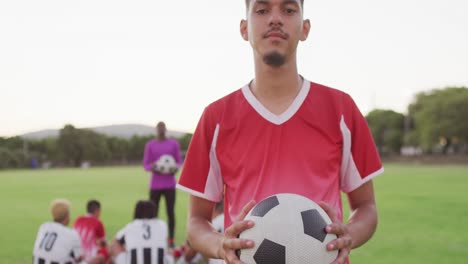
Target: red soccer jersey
[
  {"x": 319, "y": 146},
  {"x": 90, "y": 229}
]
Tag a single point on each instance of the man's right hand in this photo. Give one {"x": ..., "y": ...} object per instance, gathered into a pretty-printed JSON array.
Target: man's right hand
[{"x": 231, "y": 243}]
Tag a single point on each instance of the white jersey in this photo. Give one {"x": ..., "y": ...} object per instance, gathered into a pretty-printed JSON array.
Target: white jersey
[
  {"x": 145, "y": 241},
  {"x": 218, "y": 223},
  {"x": 56, "y": 244}
]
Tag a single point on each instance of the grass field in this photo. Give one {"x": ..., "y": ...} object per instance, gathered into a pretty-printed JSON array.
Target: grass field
[{"x": 423, "y": 210}]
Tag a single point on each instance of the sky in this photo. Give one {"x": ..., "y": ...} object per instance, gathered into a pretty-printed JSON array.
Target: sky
[{"x": 102, "y": 62}]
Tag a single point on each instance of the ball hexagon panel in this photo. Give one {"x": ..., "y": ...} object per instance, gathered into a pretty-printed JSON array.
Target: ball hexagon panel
[
  {"x": 270, "y": 252},
  {"x": 262, "y": 208},
  {"x": 314, "y": 225}
]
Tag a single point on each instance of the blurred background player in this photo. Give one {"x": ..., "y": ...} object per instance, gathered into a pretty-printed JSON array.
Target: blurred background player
[
  {"x": 92, "y": 234},
  {"x": 55, "y": 242},
  {"x": 162, "y": 184},
  {"x": 144, "y": 240}
]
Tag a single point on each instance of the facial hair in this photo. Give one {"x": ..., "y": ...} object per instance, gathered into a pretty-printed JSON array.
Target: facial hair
[{"x": 274, "y": 59}]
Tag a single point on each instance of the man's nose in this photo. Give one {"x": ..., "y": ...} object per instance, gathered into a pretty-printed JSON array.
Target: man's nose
[{"x": 276, "y": 18}]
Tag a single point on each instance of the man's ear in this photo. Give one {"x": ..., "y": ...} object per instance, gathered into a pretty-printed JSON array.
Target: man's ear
[
  {"x": 305, "y": 29},
  {"x": 243, "y": 30}
]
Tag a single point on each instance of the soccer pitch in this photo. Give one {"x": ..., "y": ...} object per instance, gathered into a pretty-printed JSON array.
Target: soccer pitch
[{"x": 423, "y": 210}]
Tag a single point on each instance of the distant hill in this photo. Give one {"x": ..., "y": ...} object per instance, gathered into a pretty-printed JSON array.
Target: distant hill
[
  {"x": 122, "y": 131},
  {"x": 41, "y": 134}
]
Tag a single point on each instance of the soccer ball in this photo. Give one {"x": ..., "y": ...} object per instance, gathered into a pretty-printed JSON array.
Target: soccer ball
[
  {"x": 290, "y": 229},
  {"x": 165, "y": 164}
]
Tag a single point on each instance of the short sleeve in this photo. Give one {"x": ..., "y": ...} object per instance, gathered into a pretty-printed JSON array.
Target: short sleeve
[
  {"x": 361, "y": 161},
  {"x": 201, "y": 174},
  {"x": 148, "y": 157}
]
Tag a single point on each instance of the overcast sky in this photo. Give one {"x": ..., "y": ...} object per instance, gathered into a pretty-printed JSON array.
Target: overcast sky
[{"x": 92, "y": 63}]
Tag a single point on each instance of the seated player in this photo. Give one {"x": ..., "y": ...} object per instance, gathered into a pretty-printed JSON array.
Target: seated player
[
  {"x": 55, "y": 242},
  {"x": 144, "y": 240},
  {"x": 92, "y": 234}
]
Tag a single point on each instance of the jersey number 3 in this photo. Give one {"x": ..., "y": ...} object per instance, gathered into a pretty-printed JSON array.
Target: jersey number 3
[{"x": 147, "y": 232}]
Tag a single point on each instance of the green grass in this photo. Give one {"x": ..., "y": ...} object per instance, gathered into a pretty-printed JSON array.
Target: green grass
[
  {"x": 423, "y": 210},
  {"x": 25, "y": 196}
]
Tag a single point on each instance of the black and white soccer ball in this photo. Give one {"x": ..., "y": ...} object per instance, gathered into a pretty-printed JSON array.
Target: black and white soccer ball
[
  {"x": 289, "y": 229},
  {"x": 166, "y": 164}
]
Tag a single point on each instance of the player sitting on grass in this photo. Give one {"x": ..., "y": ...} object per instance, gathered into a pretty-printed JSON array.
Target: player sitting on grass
[
  {"x": 144, "y": 240},
  {"x": 55, "y": 242},
  {"x": 92, "y": 234}
]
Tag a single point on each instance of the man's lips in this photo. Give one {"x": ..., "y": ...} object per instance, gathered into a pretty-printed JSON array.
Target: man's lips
[{"x": 275, "y": 34}]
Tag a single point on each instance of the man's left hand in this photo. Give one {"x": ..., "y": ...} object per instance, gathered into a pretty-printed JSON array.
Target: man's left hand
[{"x": 344, "y": 241}]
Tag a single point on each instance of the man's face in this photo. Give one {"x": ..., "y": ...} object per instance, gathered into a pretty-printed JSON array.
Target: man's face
[
  {"x": 274, "y": 28},
  {"x": 161, "y": 129}
]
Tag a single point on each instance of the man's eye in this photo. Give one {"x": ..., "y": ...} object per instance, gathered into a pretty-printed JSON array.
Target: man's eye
[
  {"x": 290, "y": 11},
  {"x": 261, "y": 11}
]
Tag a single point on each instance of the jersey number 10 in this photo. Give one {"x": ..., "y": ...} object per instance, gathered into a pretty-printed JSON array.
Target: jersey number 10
[{"x": 48, "y": 241}]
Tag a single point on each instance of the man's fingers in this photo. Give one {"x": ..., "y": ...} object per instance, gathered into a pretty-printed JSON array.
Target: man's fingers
[
  {"x": 245, "y": 210},
  {"x": 231, "y": 258},
  {"x": 237, "y": 243},
  {"x": 337, "y": 229},
  {"x": 342, "y": 256},
  {"x": 238, "y": 227},
  {"x": 233, "y": 244},
  {"x": 344, "y": 241},
  {"x": 330, "y": 211},
  {"x": 339, "y": 243}
]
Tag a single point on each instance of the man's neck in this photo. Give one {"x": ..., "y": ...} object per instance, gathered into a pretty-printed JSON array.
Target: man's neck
[
  {"x": 276, "y": 81},
  {"x": 65, "y": 223},
  {"x": 276, "y": 88},
  {"x": 93, "y": 215},
  {"x": 161, "y": 138}
]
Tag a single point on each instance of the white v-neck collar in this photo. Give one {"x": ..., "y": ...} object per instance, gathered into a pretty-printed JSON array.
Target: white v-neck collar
[{"x": 269, "y": 116}]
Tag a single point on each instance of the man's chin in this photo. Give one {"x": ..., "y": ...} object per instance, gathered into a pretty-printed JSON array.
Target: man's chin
[{"x": 274, "y": 59}]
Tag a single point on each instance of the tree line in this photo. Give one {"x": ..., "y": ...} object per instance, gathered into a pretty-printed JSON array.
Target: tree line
[
  {"x": 73, "y": 147},
  {"x": 436, "y": 122}
]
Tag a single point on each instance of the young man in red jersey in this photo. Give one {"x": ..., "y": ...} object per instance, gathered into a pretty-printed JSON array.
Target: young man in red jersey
[
  {"x": 279, "y": 134},
  {"x": 92, "y": 234}
]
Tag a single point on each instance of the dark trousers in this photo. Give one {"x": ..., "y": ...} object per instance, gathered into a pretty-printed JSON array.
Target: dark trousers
[{"x": 170, "y": 196}]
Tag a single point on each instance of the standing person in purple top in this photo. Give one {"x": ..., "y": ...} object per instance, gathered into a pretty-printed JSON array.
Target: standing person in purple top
[{"x": 163, "y": 184}]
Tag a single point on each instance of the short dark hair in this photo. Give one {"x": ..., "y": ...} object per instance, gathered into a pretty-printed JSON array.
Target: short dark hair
[
  {"x": 247, "y": 2},
  {"x": 92, "y": 206},
  {"x": 145, "y": 209}
]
